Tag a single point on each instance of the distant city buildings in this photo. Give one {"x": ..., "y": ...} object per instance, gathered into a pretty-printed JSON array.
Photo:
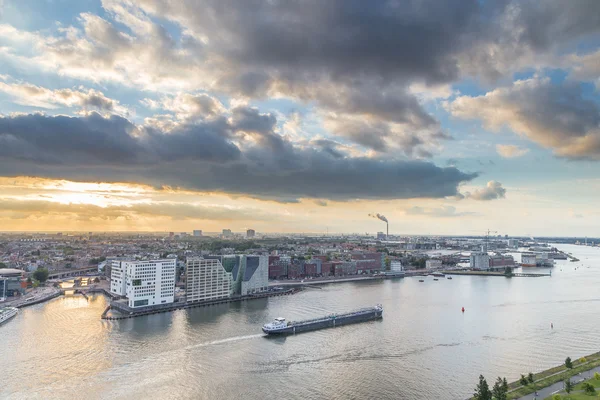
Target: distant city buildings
[
  {"x": 206, "y": 279},
  {"x": 227, "y": 233},
  {"x": 433, "y": 263},
  {"x": 144, "y": 283},
  {"x": 479, "y": 260},
  {"x": 250, "y": 233},
  {"x": 197, "y": 232},
  {"x": 528, "y": 259},
  {"x": 381, "y": 236},
  {"x": 514, "y": 243}
]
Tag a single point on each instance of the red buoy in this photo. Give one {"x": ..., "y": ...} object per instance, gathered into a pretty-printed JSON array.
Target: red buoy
[{"x": 463, "y": 309}]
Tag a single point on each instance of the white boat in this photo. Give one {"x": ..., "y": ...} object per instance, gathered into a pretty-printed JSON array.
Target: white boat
[{"x": 7, "y": 313}]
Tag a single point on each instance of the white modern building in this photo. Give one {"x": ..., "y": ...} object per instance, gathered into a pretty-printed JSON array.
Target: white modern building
[
  {"x": 207, "y": 280},
  {"x": 433, "y": 263},
  {"x": 396, "y": 266},
  {"x": 118, "y": 282},
  {"x": 480, "y": 260},
  {"x": 144, "y": 283}
]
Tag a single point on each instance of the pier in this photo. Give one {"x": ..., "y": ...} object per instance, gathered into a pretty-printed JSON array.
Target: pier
[{"x": 127, "y": 313}]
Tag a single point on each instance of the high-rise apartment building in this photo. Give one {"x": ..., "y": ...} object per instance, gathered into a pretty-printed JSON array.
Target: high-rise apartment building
[
  {"x": 144, "y": 283},
  {"x": 206, "y": 279},
  {"x": 250, "y": 233},
  {"x": 249, "y": 273}
]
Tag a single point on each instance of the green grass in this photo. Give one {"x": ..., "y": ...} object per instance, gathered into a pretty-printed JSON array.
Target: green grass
[{"x": 546, "y": 378}]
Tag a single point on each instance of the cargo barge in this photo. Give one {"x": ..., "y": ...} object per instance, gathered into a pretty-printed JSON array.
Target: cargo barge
[{"x": 280, "y": 327}]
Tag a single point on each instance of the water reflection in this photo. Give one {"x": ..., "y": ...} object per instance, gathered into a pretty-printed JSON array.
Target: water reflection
[{"x": 424, "y": 347}]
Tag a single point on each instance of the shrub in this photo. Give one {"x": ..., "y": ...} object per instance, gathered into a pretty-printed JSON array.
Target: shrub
[
  {"x": 523, "y": 381},
  {"x": 597, "y": 376},
  {"x": 589, "y": 388},
  {"x": 556, "y": 397}
]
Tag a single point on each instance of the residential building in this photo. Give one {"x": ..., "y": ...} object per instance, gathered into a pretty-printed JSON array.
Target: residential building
[
  {"x": 144, "y": 283},
  {"x": 250, "y": 233},
  {"x": 433, "y": 263},
  {"x": 249, "y": 273},
  {"x": 480, "y": 260},
  {"x": 206, "y": 279}
]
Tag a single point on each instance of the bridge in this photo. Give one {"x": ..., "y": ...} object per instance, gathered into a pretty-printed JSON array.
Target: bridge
[{"x": 71, "y": 272}]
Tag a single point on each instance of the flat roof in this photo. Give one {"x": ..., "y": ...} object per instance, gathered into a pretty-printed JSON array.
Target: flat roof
[{"x": 10, "y": 271}]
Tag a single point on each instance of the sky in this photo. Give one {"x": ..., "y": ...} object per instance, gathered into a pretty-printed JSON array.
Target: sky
[{"x": 448, "y": 117}]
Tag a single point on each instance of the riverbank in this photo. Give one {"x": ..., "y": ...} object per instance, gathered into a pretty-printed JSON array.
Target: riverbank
[{"x": 545, "y": 379}]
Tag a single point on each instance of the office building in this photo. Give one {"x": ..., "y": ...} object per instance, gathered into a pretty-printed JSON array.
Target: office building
[
  {"x": 11, "y": 282},
  {"x": 369, "y": 262},
  {"x": 480, "y": 260},
  {"x": 206, "y": 279},
  {"x": 250, "y": 233},
  {"x": 396, "y": 266},
  {"x": 514, "y": 243},
  {"x": 144, "y": 283},
  {"x": 197, "y": 232}
]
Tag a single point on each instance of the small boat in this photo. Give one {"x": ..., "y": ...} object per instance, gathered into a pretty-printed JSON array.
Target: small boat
[
  {"x": 449, "y": 277},
  {"x": 435, "y": 279},
  {"x": 421, "y": 280},
  {"x": 7, "y": 313}
]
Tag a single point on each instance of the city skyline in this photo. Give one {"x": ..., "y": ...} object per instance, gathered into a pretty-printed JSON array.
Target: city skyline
[{"x": 449, "y": 119}]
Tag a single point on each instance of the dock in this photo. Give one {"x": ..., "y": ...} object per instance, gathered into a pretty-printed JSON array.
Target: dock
[{"x": 127, "y": 313}]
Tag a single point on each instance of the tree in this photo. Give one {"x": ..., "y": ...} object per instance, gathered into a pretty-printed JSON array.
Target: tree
[
  {"x": 523, "y": 381},
  {"x": 530, "y": 377},
  {"x": 41, "y": 275},
  {"x": 568, "y": 386},
  {"x": 504, "y": 385},
  {"x": 568, "y": 363},
  {"x": 597, "y": 376},
  {"x": 589, "y": 388},
  {"x": 482, "y": 390},
  {"x": 2, "y": 265},
  {"x": 388, "y": 262},
  {"x": 499, "y": 391},
  {"x": 556, "y": 397}
]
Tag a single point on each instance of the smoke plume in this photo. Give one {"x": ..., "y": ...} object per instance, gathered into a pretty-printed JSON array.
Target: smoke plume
[{"x": 380, "y": 217}]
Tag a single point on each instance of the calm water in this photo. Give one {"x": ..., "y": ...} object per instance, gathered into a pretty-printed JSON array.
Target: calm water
[{"x": 424, "y": 348}]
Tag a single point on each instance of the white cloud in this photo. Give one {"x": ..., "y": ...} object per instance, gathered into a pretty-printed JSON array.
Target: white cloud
[
  {"x": 37, "y": 96},
  {"x": 511, "y": 151}
]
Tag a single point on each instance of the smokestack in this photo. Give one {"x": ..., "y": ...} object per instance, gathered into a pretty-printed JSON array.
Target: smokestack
[{"x": 387, "y": 233}]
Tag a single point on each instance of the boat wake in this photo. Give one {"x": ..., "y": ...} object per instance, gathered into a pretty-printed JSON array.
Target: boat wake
[{"x": 227, "y": 340}]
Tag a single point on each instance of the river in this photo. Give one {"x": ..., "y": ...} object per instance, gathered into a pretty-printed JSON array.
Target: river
[{"x": 423, "y": 348}]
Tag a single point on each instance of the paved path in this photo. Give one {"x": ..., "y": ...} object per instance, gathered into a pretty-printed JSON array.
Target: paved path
[{"x": 557, "y": 387}]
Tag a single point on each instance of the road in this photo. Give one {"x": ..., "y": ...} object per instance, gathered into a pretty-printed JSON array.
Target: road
[{"x": 557, "y": 387}]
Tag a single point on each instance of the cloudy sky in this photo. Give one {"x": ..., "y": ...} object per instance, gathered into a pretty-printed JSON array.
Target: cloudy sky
[{"x": 448, "y": 117}]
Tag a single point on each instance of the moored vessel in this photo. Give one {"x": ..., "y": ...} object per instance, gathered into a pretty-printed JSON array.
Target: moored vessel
[
  {"x": 282, "y": 327},
  {"x": 7, "y": 313}
]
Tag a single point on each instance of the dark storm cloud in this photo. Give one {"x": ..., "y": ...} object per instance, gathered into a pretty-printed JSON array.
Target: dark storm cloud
[{"x": 203, "y": 157}]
